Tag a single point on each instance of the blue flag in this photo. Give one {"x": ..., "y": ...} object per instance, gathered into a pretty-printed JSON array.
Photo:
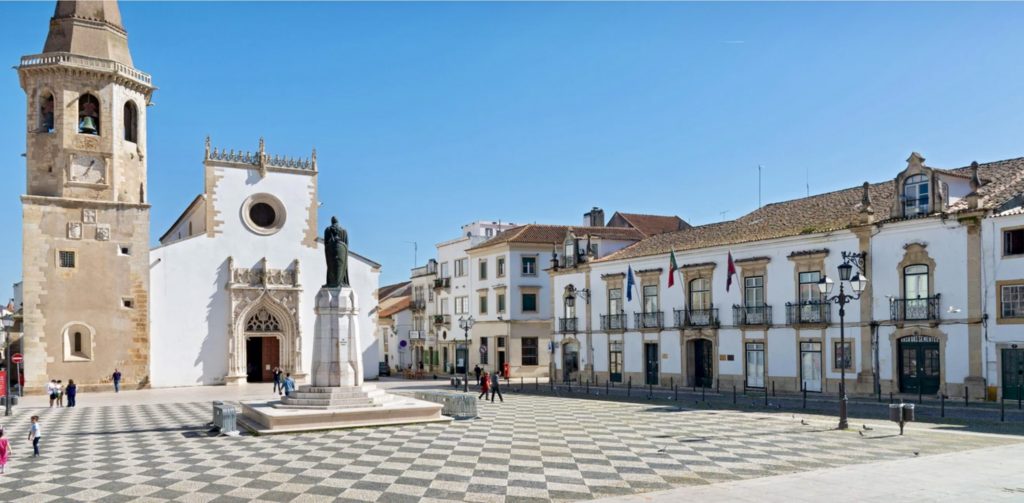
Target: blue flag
[{"x": 629, "y": 283}]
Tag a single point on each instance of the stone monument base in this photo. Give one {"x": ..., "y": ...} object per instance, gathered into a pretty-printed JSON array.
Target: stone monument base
[{"x": 327, "y": 408}]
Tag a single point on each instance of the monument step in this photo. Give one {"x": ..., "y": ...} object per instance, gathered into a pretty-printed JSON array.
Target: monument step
[
  {"x": 338, "y": 394},
  {"x": 306, "y": 388},
  {"x": 327, "y": 402}
]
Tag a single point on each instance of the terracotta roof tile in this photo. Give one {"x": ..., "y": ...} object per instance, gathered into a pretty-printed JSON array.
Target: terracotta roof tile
[
  {"x": 1002, "y": 182},
  {"x": 394, "y": 305},
  {"x": 555, "y": 234},
  {"x": 651, "y": 225}
]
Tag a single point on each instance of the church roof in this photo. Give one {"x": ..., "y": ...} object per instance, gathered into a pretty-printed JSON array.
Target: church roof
[{"x": 89, "y": 28}]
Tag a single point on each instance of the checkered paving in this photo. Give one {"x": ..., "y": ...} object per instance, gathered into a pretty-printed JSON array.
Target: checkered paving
[{"x": 530, "y": 448}]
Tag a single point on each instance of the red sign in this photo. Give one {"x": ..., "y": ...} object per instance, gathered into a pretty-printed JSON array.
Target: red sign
[
  {"x": 17, "y": 358},
  {"x": 3, "y": 383}
]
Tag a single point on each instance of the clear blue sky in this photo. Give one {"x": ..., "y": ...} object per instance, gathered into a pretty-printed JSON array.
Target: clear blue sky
[{"x": 429, "y": 116}]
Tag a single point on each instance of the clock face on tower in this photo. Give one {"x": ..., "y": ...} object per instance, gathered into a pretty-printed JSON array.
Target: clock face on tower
[{"x": 88, "y": 169}]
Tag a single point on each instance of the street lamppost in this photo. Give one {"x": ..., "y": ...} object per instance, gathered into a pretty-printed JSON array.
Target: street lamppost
[
  {"x": 465, "y": 324},
  {"x": 8, "y": 322},
  {"x": 857, "y": 283}
]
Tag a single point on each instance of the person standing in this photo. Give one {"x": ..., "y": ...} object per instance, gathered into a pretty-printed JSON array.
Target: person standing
[
  {"x": 35, "y": 434},
  {"x": 5, "y": 452},
  {"x": 277, "y": 380},
  {"x": 117, "y": 381},
  {"x": 289, "y": 385},
  {"x": 72, "y": 392},
  {"x": 495, "y": 388},
  {"x": 60, "y": 393},
  {"x": 51, "y": 390},
  {"x": 476, "y": 370},
  {"x": 485, "y": 386}
]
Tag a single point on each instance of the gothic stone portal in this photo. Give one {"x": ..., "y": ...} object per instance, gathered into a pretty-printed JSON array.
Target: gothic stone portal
[{"x": 264, "y": 325}]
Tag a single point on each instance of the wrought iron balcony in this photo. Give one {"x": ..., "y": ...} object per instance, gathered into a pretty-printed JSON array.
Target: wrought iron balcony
[
  {"x": 688, "y": 318},
  {"x": 919, "y": 309},
  {"x": 752, "y": 315},
  {"x": 649, "y": 320},
  {"x": 442, "y": 319},
  {"x": 442, "y": 282},
  {"x": 418, "y": 304},
  {"x": 567, "y": 325},
  {"x": 613, "y": 322},
  {"x": 808, "y": 313}
]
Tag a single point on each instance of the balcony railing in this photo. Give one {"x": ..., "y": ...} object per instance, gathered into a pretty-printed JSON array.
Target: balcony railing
[
  {"x": 752, "y": 315},
  {"x": 567, "y": 325},
  {"x": 418, "y": 304},
  {"x": 808, "y": 313},
  {"x": 442, "y": 282},
  {"x": 86, "y": 62},
  {"x": 613, "y": 322},
  {"x": 686, "y": 318},
  {"x": 442, "y": 319},
  {"x": 919, "y": 309},
  {"x": 417, "y": 335},
  {"x": 649, "y": 320}
]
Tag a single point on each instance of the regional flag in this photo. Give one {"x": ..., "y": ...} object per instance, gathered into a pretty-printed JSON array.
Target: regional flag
[
  {"x": 672, "y": 268},
  {"x": 630, "y": 282}
]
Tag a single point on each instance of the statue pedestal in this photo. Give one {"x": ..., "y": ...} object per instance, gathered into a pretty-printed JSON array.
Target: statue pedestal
[
  {"x": 337, "y": 354},
  {"x": 336, "y": 396}
]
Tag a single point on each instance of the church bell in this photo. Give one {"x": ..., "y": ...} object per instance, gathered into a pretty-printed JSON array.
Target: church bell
[{"x": 87, "y": 125}]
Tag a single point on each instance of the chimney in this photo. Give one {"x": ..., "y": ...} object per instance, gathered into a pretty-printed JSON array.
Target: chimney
[{"x": 594, "y": 217}]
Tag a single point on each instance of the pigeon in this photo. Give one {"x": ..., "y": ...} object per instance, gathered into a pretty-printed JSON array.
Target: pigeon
[
  {"x": 916, "y": 453},
  {"x": 861, "y": 433},
  {"x": 805, "y": 423},
  {"x": 866, "y": 427}
]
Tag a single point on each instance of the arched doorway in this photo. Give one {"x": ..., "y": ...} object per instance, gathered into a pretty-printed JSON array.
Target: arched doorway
[
  {"x": 919, "y": 364},
  {"x": 262, "y": 346},
  {"x": 570, "y": 360},
  {"x": 700, "y": 362}
]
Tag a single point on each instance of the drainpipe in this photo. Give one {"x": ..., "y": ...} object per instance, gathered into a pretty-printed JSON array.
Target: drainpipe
[{"x": 875, "y": 366}]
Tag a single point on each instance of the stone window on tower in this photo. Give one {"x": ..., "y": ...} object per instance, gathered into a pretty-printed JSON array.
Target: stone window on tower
[
  {"x": 915, "y": 196},
  {"x": 77, "y": 342},
  {"x": 131, "y": 122},
  {"x": 88, "y": 114},
  {"x": 46, "y": 113}
]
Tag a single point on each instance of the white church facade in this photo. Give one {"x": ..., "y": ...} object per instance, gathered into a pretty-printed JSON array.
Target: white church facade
[{"x": 234, "y": 278}]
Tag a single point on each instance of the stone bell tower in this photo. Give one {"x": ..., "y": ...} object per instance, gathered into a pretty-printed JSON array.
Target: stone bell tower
[{"x": 85, "y": 219}]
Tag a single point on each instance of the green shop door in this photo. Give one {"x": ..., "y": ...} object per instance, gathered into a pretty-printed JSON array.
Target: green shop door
[
  {"x": 1013, "y": 373},
  {"x": 919, "y": 365}
]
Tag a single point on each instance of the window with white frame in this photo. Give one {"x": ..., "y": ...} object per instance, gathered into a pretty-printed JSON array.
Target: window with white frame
[
  {"x": 809, "y": 292},
  {"x": 1013, "y": 242},
  {"x": 444, "y": 269},
  {"x": 915, "y": 196},
  {"x": 1011, "y": 301},
  {"x": 483, "y": 268},
  {"x": 700, "y": 294},
  {"x": 650, "y": 298},
  {"x": 460, "y": 305},
  {"x": 501, "y": 267},
  {"x": 460, "y": 267}
]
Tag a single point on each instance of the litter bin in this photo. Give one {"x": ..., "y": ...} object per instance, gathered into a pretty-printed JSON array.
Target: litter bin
[
  {"x": 224, "y": 418},
  {"x": 908, "y": 412},
  {"x": 902, "y": 413},
  {"x": 895, "y": 412},
  {"x": 3, "y": 400}
]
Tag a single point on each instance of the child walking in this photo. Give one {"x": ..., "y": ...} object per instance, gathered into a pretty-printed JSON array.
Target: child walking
[
  {"x": 34, "y": 435},
  {"x": 5, "y": 452}
]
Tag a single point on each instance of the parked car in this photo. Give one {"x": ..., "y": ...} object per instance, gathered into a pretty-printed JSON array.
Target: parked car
[{"x": 384, "y": 370}]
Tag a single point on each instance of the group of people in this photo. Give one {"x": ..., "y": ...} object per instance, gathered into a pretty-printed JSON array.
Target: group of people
[
  {"x": 489, "y": 383},
  {"x": 57, "y": 392},
  {"x": 283, "y": 386}
]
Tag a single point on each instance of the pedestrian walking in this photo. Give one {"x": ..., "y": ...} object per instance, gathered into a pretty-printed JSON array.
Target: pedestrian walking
[
  {"x": 496, "y": 387},
  {"x": 60, "y": 393},
  {"x": 485, "y": 386},
  {"x": 51, "y": 390},
  {"x": 35, "y": 434},
  {"x": 72, "y": 392},
  {"x": 117, "y": 381},
  {"x": 289, "y": 385},
  {"x": 277, "y": 380},
  {"x": 5, "y": 452},
  {"x": 477, "y": 371}
]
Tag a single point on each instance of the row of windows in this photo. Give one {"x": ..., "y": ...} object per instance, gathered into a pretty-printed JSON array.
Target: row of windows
[
  {"x": 89, "y": 116},
  {"x": 529, "y": 304},
  {"x": 915, "y": 286},
  {"x": 461, "y": 266}
]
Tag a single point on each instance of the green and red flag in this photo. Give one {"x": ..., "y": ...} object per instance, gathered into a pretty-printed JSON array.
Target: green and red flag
[{"x": 672, "y": 268}]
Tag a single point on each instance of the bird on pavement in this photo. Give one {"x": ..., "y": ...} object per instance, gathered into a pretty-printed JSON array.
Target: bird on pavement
[
  {"x": 866, "y": 427},
  {"x": 861, "y": 433},
  {"x": 805, "y": 423}
]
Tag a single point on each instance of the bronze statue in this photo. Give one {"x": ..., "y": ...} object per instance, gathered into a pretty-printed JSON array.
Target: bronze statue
[{"x": 336, "y": 250}]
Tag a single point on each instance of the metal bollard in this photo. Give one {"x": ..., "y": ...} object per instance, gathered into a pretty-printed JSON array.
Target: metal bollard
[
  {"x": 942, "y": 407},
  {"x": 607, "y": 389},
  {"x": 629, "y": 385},
  {"x": 1018, "y": 396},
  {"x": 569, "y": 382},
  {"x": 702, "y": 388},
  {"x": 773, "y": 388},
  {"x": 521, "y": 387},
  {"x": 734, "y": 394},
  {"x": 650, "y": 391},
  {"x": 588, "y": 386},
  {"x": 718, "y": 386},
  {"x": 890, "y": 397},
  {"x": 675, "y": 390},
  {"x": 766, "y": 396},
  {"x": 1002, "y": 408},
  {"x": 536, "y": 383},
  {"x": 966, "y": 402},
  {"x": 803, "y": 388},
  {"x": 672, "y": 381}
]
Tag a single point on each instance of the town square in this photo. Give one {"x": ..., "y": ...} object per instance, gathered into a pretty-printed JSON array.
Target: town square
[{"x": 502, "y": 251}]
